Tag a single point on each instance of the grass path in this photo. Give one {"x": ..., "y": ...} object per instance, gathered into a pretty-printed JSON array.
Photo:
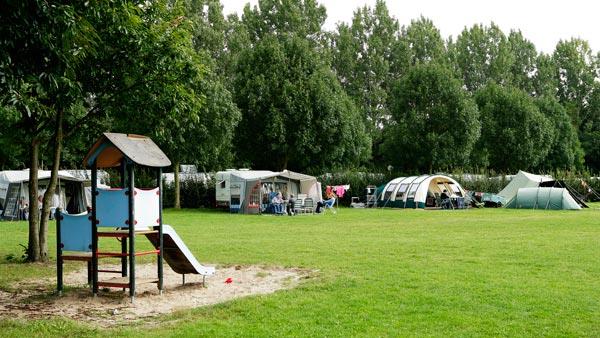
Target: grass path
[{"x": 381, "y": 273}]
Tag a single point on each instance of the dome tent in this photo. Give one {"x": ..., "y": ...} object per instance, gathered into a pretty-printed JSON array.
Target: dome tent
[
  {"x": 547, "y": 198},
  {"x": 417, "y": 191}
]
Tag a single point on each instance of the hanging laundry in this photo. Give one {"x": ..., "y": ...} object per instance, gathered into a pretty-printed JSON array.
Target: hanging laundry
[{"x": 340, "y": 190}]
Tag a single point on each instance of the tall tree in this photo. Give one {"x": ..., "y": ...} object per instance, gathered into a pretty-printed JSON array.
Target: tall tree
[
  {"x": 524, "y": 57},
  {"x": 565, "y": 148},
  {"x": 422, "y": 42},
  {"x": 482, "y": 54},
  {"x": 362, "y": 54},
  {"x": 515, "y": 134},
  {"x": 42, "y": 46},
  {"x": 435, "y": 122},
  {"x": 575, "y": 74},
  {"x": 295, "y": 114}
]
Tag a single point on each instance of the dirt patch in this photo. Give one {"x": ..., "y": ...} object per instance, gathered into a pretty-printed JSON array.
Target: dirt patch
[{"x": 35, "y": 298}]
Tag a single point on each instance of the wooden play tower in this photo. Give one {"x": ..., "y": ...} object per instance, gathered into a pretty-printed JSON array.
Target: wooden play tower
[{"x": 120, "y": 212}]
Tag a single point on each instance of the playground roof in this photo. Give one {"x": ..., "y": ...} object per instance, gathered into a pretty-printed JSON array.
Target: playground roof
[{"x": 111, "y": 148}]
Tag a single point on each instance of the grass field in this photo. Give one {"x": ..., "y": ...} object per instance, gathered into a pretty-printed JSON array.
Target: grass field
[{"x": 381, "y": 273}]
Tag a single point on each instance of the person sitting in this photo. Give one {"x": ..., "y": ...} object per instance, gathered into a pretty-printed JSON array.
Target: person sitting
[
  {"x": 328, "y": 203},
  {"x": 290, "y": 205},
  {"x": 446, "y": 203},
  {"x": 277, "y": 202}
]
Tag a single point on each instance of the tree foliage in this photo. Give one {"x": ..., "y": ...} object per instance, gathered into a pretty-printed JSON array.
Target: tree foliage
[
  {"x": 435, "y": 122},
  {"x": 515, "y": 134},
  {"x": 295, "y": 114}
]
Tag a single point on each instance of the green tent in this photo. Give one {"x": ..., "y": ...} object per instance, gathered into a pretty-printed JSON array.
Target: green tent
[{"x": 543, "y": 198}]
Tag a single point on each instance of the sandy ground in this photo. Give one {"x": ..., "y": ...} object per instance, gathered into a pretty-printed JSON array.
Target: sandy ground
[{"x": 36, "y": 299}]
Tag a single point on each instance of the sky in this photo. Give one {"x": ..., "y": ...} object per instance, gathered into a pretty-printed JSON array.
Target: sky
[{"x": 542, "y": 22}]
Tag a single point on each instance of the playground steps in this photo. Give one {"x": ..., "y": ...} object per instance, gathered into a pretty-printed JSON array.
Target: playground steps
[{"x": 123, "y": 282}]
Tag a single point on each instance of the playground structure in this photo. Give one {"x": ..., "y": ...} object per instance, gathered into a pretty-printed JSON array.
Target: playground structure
[{"x": 117, "y": 213}]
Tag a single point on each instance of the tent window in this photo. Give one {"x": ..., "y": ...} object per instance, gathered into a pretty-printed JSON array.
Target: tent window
[
  {"x": 223, "y": 184},
  {"x": 455, "y": 189},
  {"x": 412, "y": 191},
  {"x": 401, "y": 190},
  {"x": 389, "y": 191}
]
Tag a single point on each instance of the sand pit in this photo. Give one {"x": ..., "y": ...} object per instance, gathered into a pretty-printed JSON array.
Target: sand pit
[{"x": 36, "y": 298}]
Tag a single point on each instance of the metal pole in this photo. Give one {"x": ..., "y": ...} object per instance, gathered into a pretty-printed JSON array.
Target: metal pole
[
  {"x": 160, "y": 230},
  {"x": 59, "y": 260},
  {"x": 131, "y": 229},
  {"x": 94, "y": 229}
]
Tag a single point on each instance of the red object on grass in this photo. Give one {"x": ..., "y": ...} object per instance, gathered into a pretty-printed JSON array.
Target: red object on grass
[{"x": 229, "y": 280}]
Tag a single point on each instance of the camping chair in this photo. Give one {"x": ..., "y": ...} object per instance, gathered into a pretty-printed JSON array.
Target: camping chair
[
  {"x": 443, "y": 203},
  {"x": 298, "y": 207},
  {"x": 309, "y": 205},
  {"x": 329, "y": 205}
]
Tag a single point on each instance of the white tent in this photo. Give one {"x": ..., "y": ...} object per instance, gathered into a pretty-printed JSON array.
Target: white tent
[
  {"x": 521, "y": 180},
  {"x": 417, "y": 191},
  {"x": 14, "y": 191}
]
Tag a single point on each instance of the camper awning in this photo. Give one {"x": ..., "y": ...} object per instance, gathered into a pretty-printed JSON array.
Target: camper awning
[
  {"x": 290, "y": 175},
  {"x": 111, "y": 148}
]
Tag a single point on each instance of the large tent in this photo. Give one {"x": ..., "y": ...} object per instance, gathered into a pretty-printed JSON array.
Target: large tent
[
  {"x": 248, "y": 191},
  {"x": 14, "y": 191},
  {"x": 543, "y": 198},
  {"x": 512, "y": 195},
  {"x": 417, "y": 191},
  {"x": 521, "y": 180}
]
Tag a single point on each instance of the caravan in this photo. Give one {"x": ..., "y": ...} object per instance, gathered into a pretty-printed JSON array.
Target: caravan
[{"x": 248, "y": 191}]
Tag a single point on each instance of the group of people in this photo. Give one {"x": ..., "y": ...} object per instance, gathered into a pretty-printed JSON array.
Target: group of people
[{"x": 281, "y": 206}]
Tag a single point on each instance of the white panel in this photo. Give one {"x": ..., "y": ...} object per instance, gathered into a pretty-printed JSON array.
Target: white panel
[{"x": 146, "y": 208}]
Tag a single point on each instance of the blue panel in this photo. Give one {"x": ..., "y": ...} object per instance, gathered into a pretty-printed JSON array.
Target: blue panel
[
  {"x": 76, "y": 232},
  {"x": 112, "y": 208}
]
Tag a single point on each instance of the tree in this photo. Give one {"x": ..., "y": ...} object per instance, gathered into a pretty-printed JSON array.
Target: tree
[
  {"x": 514, "y": 134},
  {"x": 524, "y": 57},
  {"x": 302, "y": 19},
  {"x": 482, "y": 54},
  {"x": 42, "y": 46},
  {"x": 565, "y": 148},
  {"x": 362, "y": 54},
  {"x": 590, "y": 130},
  {"x": 544, "y": 81},
  {"x": 422, "y": 42},
  {"x": 575, "y": 75},
  {"x": 435, "y": 123},
  {"x": 295, "y": 114}
]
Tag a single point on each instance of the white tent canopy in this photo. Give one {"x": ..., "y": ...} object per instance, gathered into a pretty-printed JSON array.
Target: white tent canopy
[
  {"x": 522, "y": 180},
  {"x": 14, "y": 190}
]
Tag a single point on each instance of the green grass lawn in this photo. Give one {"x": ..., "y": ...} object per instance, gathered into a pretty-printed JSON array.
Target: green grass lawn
[{"x": 489, "y": 272}]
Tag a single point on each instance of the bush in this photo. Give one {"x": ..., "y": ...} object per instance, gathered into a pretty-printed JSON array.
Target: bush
[{"x": 195, "y": 193}]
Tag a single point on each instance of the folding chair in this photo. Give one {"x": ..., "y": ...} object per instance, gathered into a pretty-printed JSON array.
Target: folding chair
[{"x": 329, "y": 205}]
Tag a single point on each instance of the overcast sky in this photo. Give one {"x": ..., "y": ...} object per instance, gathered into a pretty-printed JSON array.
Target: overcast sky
[{"x": 542, "y": 22}]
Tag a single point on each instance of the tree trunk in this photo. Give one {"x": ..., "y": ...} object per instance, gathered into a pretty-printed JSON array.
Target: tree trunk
[
  {"x": 49, "y": 194},
  {"x": 177, "y": 204},
  {"x": 33, "y": 247}
]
